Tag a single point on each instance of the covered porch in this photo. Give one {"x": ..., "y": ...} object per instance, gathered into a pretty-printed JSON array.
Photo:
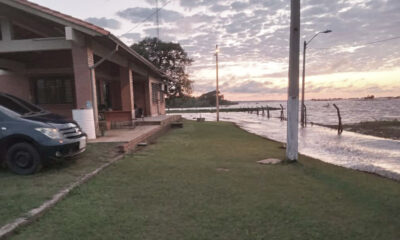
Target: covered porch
[{"x": 61, "y": 63}]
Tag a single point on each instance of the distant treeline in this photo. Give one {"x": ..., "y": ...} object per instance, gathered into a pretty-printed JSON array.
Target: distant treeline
[
  {"x": 205, "y": 100},
  {"x": 369, "y": 97}
]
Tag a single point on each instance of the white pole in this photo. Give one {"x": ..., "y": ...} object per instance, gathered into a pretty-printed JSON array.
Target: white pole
[
  {"x": 217, "y": 87},
  {"x": 293, "y": 89}
]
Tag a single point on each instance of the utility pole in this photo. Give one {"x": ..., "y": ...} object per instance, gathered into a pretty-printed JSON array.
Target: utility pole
[
  {"x": 217, "y": 87},
  {"x": 293, "y": 89}
]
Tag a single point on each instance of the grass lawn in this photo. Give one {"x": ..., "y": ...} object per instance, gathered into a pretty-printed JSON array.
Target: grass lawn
[
  {"x": 19, "y": 194},
  {"x": 202, "y": 182}
]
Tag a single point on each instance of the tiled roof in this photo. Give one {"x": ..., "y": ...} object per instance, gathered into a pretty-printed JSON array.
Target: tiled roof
[
  {"x": 86, "y": 25},
  {"x": 65, "y": 17}
]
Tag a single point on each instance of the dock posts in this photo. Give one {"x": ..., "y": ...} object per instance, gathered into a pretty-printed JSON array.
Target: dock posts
[
  {"x": 263, "y": 112},
  {"x": 268, "y": 115},
  {"x": 282, "y": 115},
  {"x": 340, "y": 126},
  {"x": 305, "y": 115},
  {"x": 258, "y": 112}
]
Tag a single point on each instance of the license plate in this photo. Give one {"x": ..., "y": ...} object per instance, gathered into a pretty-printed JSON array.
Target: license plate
[{"x": 82, "y": 143}]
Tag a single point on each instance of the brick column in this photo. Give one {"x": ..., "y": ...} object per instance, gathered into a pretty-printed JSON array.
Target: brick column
[
  {"x": 82, "y": 58},
  {"x": 147, "y": 94},
  {"x": 127, "y": 97}
]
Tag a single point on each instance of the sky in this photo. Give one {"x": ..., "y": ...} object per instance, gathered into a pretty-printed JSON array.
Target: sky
[{"x": 253, "y": 36}]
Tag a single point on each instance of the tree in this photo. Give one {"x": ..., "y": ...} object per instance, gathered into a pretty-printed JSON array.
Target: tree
[{"x": 170, "y": 58}]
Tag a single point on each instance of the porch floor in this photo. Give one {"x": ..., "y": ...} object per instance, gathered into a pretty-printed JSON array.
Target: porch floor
[
  {"x": 129, "y": 138},
  {"x": 158, "y": 120},
  {"x": 124, "y": 135}
]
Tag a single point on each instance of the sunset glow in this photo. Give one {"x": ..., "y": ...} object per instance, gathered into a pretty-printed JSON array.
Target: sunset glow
[{"x": 352, "y": 61}]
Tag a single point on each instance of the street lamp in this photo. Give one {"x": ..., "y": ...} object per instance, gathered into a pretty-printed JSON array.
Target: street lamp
[
  {"x": 217, "y": 87},
  {"x": 306, "y": 43}
]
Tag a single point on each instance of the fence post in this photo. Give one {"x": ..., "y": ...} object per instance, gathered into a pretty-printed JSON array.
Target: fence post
[{"x": 340, "y": 127}]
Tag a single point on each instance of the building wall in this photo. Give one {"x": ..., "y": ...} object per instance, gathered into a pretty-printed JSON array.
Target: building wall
[
  {"x": 60, "y": 109},
  {"x": 15, "y": 84},
  {"x": 19, "y": 86}
]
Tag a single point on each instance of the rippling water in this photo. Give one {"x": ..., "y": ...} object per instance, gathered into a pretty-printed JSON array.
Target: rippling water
[
  {"x": 352, "y": 111},
  {"x": 351, "y": 150}
]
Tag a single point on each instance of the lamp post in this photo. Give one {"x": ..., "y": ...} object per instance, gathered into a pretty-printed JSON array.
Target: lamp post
[
  {"x": 217, "y": 87},
  {"x": 306, "y": 43}
]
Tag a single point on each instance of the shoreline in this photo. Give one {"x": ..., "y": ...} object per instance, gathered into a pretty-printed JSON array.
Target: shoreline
[
  {"x": 383, "y": 129},
  {"x": 380, "y": 172}
]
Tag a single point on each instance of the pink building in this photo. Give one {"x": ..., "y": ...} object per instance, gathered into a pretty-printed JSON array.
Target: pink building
[{"x": 63, "y": 63}]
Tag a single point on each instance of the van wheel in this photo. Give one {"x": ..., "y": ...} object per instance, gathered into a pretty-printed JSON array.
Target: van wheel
[{"x": 23, "y": 159}]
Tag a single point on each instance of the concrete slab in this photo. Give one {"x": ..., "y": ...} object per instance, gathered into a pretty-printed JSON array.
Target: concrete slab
[{"x": 270, "y": 161}]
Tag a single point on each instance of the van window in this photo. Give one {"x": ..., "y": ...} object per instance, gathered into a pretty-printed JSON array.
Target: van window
[
  {"x": 7, "y": 112},
  {"x": 29, "y": 106}
]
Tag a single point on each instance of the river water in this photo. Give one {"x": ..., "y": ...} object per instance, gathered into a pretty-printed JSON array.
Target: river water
[{"x": 351, "y": 150}]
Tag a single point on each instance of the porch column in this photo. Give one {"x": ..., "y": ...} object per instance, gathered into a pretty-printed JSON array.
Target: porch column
[
  {"x": 6, "y": 29},
  {"x": 82, "y": 58},
  {"x": 127, "y": 97},
  {"x": 147, "y": 94}
]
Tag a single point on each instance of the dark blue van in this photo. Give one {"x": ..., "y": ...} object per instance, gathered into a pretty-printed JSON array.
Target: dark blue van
[{"x": 31, "y": 136}]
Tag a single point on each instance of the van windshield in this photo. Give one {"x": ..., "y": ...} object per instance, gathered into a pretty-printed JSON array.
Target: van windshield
[
  {"x": 19, "y": 106},
  {"x": 9, "y": 112}
]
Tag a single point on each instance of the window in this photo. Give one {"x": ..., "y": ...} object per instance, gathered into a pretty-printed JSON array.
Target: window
[
  {"x": 55, "y": 90},
  {"x": 154, "y": 92},
  {"x": 162, "y": 96}
]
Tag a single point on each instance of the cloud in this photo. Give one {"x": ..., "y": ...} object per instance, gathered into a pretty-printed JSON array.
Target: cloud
[
  {"x": 251, "y": 86},
  {"x": 139, "y": 14},
  {"x": 258, "y": 31},
  {"x": 133, "y": 36},
  {"x": 239, "y": 6},
  {"x": 104, "y": 22},
  {"x": 196, "y": 3},
  {"x": 219, "y": 8}
]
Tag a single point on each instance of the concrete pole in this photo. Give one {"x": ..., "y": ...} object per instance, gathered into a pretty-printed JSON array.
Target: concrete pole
[
  {"x": 94, "y": 101},
  {"x": 302, "y": 114},
  {"x": 217, "y": 88},
  {"x": 293, "y": 89}
]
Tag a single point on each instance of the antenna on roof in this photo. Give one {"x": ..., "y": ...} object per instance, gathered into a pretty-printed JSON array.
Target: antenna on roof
[{"x": 157, "y": 20}]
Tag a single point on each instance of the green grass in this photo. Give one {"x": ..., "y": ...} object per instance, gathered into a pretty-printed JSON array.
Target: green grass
[
  {"x": 19, "y": 194},
  {"x": 173, "y": 190}
]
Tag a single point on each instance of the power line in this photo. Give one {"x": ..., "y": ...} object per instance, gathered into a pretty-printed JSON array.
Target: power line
[
  {"x": 147, "y": 18},
  {"x": 363, "y": 44}
]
